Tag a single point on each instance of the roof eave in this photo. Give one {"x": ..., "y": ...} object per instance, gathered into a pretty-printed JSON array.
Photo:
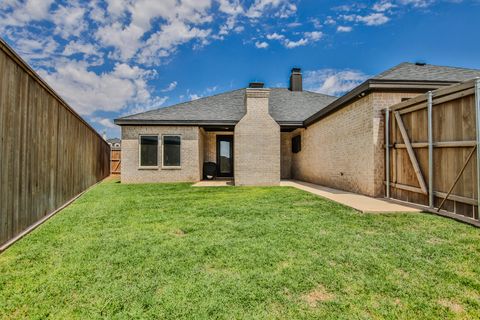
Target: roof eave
[
  {"x": 375, "y": 85},
  {"x": 140, "y": 122}
]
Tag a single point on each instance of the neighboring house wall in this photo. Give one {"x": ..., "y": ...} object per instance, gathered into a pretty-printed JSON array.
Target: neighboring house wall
[
  {"x": 286, "y": 155},
  {"x": 257, "y": 143},
  {"x": 190, "y": 155},
  {"x": 345, "y": 149}
]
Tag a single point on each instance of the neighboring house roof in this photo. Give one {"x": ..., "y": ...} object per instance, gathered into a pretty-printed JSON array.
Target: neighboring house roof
[
  {"x": 114, "y": 140},
  {"x": 405, "y": 77},
  {"x": 285, "y": 106}
]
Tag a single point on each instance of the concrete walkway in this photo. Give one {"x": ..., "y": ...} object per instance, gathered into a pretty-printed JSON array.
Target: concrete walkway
[{"x": 356, "y": 201}]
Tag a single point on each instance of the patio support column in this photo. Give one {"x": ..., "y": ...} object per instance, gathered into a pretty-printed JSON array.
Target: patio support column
[{"x": 430, "y": 149}]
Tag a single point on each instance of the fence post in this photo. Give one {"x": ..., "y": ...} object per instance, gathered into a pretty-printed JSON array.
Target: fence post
[
  {"x": 430, "y": 149},
  {"x": 387, "y": 150},
  {"x": 477, "y": 113}
]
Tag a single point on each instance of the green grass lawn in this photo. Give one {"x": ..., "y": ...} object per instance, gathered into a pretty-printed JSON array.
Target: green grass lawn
[{"x": 173, "y": 251}]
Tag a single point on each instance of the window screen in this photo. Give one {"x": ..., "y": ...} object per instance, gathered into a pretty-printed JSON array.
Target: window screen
[
  {"x": 171, "y": 151},
  {"x": 148, "y": 151},
  {"x": 296, "y": 144}
]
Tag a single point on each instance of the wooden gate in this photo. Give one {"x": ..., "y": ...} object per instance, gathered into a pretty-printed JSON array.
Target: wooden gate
[
  {"x": 115, "y": 160},
  {"x": 432, "y": 150}
]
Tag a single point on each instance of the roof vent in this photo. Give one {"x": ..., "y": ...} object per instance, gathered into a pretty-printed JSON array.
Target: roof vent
[
  {"x": 296, "y": 80},
  {"x": 420, "y": 64},
  {"x": 256, "y": 85}
]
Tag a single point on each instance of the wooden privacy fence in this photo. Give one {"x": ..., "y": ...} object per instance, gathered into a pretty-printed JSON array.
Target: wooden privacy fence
[
  {"x": 115, "y": 161},
  {"x": 432, "y": 151},
  {"x": 48, "y": 153}
]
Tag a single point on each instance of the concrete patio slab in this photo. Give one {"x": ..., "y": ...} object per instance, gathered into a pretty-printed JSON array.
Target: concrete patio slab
[
  {"x": 213, "y": 183},
  {"x": 356, "y": 201}
]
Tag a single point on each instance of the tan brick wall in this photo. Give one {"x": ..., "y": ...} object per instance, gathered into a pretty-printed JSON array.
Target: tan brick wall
[
  {"x": 257, "y": 143},
  {"x": 345, "y": 149},
  {"x": 190, "y": 155},
  {"x": 286, "y": 155}
]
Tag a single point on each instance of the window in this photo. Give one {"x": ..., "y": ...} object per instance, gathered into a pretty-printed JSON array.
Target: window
[
  {"x": 148, "y": 151},
  {"x": 171, "y": 151},
  {"x": 296, "y": 144}
]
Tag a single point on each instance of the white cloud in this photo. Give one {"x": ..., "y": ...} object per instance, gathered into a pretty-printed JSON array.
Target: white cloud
[
  {"x": 383, "y": 6},
  {"x": 314, "y": 35},
  {"x": 417, "y": 3},
  {"x": 171, "y": 86},
  {"x": 373, "y": 19},
  {"x": 293, "y": 44},
  {"x": 74, "y": 47},
  {"x": 164, "y": 42},
  {"x": 69, "y": 21},
  {"x": 287, "y": 10},
  {"x": 261, "y": 45},
  {"x": 330, "y": 21},
  {"x": 88, "y": 92},
  {"x": 307, "y": 38},
  {"x": 333, "y": 82},
  {"x": 232, "y": 8},
  {"x": 107, "y": 123},
  {"x": 25, "y": 12},
  {"x": 275, "y": 36},
  {"x": 259, "y": 6},
  {"x": 194, "y": 96},
  {"x": 344, "y": 29}
]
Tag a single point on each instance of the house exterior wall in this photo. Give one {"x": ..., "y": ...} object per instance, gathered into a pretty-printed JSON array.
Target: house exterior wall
[
  {"x": 190, "y": 155},
  {"x": 210, "y": 147},
  {"x": 345, "y": 149},
  {"x": 257, "y": 143},
  {"x": 286, "y": 155}
]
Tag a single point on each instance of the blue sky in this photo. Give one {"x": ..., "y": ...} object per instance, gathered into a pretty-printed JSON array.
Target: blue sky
[{"x": 116, "y": 57}]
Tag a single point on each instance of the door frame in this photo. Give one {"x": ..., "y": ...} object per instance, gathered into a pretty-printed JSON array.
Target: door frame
[{"x": 228, "y": 138}]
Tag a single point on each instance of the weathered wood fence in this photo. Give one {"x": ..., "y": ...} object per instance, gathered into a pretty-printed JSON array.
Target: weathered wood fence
[
  {"x": 48, "y": 153},
  {"x": 432, "y": 152},
  {"x": 115, "y": 160}
]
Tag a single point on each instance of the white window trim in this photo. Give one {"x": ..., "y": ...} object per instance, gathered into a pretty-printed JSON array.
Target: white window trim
[
  {"x": 140, "y": 151},
  {"x": 163, "y": 150}
]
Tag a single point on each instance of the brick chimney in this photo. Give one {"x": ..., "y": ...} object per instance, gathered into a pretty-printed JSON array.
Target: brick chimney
[
  {"x": 257, "y": 142},
  {"x": 296, "y": 80}
]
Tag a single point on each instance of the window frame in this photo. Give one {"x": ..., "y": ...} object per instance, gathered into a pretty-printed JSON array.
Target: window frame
[
  {"x": 140, "y": 151},
  {"x": 163, "y": 151}
]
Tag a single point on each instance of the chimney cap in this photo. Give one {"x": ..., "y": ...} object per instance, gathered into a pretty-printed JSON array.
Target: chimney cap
[
  {"x": 256, "y": 85},
  {"x": 296, "y": 70}
]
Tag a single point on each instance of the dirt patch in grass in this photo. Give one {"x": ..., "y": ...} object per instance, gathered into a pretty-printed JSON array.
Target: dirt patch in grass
[
  {"x": 179, "y": 233},
  {"x": 317, "y": 295},
  {"x": 451, "y": 305}
]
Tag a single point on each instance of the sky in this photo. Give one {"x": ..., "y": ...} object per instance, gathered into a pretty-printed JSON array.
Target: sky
[{"x": 111, "y": 58}]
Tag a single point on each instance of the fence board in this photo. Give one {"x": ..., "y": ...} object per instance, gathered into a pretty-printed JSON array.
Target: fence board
[
  {"x": 48, "y": 153},
  {"x": 454, "y": 135}
]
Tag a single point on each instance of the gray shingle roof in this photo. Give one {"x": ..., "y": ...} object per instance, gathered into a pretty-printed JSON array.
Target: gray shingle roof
[
  {"x": 427, "y": 72},
  {"x": 296, "y": 107},
  {"x": 284, "y": 106}
]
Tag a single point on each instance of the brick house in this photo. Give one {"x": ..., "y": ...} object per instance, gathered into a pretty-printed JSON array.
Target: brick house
[{"x": 258, "y": 136}]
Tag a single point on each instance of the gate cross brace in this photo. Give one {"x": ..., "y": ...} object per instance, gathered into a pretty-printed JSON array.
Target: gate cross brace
[{"x": 411, "y": 153}]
